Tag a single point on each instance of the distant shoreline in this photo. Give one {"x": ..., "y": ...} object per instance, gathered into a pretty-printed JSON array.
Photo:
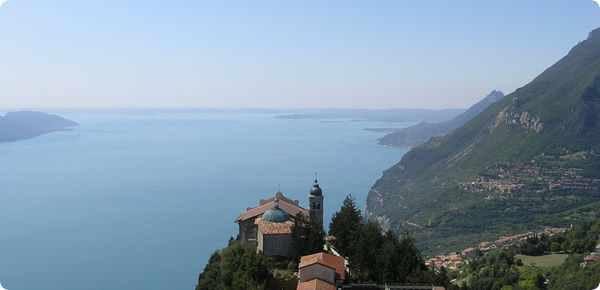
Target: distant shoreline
[{"x": 24, "y": 125}]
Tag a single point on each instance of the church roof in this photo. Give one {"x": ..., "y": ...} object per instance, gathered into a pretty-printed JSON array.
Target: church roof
[
  {"x": 331, "y": 261},
  {"x": 278, "y": 195},
  {"x": 315, "y": 284},
  {"x": 269, "y": 228},
  {"x": 285, "y": 204}
]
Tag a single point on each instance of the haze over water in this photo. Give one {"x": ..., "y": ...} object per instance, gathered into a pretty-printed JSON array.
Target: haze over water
[{"x": 139, "y": 200}]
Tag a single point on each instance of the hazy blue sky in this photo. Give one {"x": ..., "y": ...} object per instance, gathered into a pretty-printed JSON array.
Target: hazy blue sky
[{"x": 279, "y": 53}]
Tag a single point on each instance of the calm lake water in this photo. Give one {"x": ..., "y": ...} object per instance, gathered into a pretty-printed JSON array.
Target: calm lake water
[{"x": 139, "y": 200}]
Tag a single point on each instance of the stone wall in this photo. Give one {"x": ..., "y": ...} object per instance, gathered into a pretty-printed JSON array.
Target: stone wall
[
  {"x": 277, "y": 245},
  {"x": 248, "y": 232},
  {"x": 317, "y": 271}
]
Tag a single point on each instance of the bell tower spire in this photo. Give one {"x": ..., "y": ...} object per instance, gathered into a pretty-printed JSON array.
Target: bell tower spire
[{"x": 315, "y": 199}]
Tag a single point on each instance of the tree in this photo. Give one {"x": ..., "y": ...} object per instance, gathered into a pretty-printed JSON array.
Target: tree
[
  {"x": 384, "y": 258},
  {"x": 493, "y": 271},
  {"x": 531, "y": 278},
  {"x": 308, "y": 236},
  {"x": 365, "y": 251},
  {"x": 375, "y": 256},
  {"x": 442, "y": 278},
  {"x": 399, "y": 260},
  {"x": 235, "y": 267},
  {"x": 412, "y": 265},
  {"x": 345, "y": 226},
  {"x": 555, "y": 247},
  {"x": 210, "y": 278},
  {"x": 571, "y": 275}
]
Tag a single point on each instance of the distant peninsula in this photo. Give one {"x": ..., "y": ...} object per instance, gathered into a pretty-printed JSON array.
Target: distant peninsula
[{"x": 15, "y": 126}]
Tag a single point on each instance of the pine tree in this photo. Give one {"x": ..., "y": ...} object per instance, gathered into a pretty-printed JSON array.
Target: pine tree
[
  {"x": 345, "y": 226},
  {"x": 365, "y": 253}
]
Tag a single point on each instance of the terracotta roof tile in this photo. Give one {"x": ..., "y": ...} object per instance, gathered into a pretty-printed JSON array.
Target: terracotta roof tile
[
  {"x": 334, "y": 262},
  {"x": 592, "y": 258},
  {"x": 289, "y": 207},
  {"x": 279, "y": 196},
  {"x": 315, "y": 284},
  {"x": 267, "y": 228}
]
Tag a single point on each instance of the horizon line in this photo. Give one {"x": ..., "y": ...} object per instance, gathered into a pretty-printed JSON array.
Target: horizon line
[{"x": 224, "y": 108}]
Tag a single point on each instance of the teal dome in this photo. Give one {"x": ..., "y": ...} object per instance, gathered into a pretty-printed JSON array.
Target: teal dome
[{"x": 275, "y": 215}]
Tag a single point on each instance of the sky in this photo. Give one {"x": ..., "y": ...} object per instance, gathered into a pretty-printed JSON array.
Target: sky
[{"x": 279, "y": 54}]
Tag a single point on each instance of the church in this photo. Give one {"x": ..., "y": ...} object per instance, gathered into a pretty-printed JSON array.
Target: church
[{"x": 270, "y": 226}]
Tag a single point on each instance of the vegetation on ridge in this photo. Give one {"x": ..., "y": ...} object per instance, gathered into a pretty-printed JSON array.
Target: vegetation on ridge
[
  {"x": 504, "y": 269},
  {"x": 375, "y": 255}
]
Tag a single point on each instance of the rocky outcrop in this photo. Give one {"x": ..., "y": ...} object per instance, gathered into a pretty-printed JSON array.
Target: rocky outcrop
[
  {"x": 422, "y": 132},
  {"x": 524, "y": 120}
]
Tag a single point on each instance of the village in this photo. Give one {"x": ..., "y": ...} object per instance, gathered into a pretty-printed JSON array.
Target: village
[
  {"x": 453, "y": 261},
  {"x": 502, "y": 180},
  {"x": 592, "y": 258}
]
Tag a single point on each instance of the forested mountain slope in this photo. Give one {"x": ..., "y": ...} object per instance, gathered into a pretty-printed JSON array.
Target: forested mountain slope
[{"x": 531, "y": 159}]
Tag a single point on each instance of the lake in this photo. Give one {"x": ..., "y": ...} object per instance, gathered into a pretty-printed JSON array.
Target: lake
[{"x": 138, "y": 200}]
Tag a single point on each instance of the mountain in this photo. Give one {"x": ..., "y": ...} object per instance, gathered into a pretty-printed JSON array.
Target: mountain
[
  {"x": 531, "y": 159},
  {"x": 420, "y": 133},
  {"x": 16, "y": 126}
]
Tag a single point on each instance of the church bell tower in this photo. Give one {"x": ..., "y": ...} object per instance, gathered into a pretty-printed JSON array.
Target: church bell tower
[{"x": 315, "y": 199}]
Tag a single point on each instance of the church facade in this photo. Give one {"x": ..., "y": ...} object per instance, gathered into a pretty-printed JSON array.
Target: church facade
[{"x": 270, "y": 226}]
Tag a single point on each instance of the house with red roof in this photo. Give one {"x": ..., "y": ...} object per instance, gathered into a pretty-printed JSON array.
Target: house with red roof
[{"x": 321, "y": 271}]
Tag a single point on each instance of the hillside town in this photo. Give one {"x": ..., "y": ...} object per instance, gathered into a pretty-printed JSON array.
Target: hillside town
[
  {"x": 453, "y": 261},
  {"x": 592, "y": 258},
  {"x": 544, "y": 174}
]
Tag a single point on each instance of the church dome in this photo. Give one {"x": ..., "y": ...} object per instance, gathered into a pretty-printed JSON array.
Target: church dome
[
  {"x": 275, "y": 215},
  {"x": 316, "y": 189}
]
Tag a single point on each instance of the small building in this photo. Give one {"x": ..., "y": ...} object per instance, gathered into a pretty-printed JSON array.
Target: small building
[
  {"x": 591, "y": 259},
  {"x": 321, "y": 271},
  {"x": 470, "y": 253}
]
